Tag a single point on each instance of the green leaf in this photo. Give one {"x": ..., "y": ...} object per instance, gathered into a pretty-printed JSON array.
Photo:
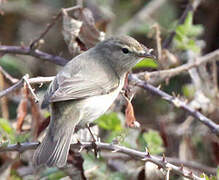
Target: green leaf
[
  {"x": 53, "y": 174},
  {"x": 147, "y": 62},
  {"x": 186, "y": 35},
  {"x": 188, "y": 90},
  {"x": 5, "y": 126},
  {"x": 98, "y": 170},
  {"x": 110, "y": 122},
  {"x": 154, "y": 142},
  {"x": 22, "y": 137},
  {"x": 218, "y": 172}
]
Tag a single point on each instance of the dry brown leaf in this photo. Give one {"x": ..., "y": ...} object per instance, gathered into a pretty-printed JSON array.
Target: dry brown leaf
[
  {"x": 22, "y": 109},
  {"x": 130, "y": 115},
  {"x": 79, "y": 30},
  {"x": 36, "y": 116}
]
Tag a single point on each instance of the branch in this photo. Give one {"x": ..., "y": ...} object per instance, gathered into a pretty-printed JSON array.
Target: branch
[
  {"x": 144, "y": 156},
  {"x": 176, "y": 102},
  {"x": 49, "y": 26},
  {"x": 156, "y": 77},
  {"x": 16, "y": 86},
  {"x": 33, "y": 52},
  {"x": 8, "y": 76},
  {"x": 19, "y": 84}
]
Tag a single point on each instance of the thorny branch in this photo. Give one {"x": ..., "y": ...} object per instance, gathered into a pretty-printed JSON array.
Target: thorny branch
[
  {"x": 161, "y": 162},
  {"x": 211, "y": 56},
  {"x": 176, "y": 102}
]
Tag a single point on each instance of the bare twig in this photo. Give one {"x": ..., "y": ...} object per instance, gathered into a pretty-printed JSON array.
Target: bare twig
[
  {"x": 16, "y": 86},
  {"x": 49, "y": 26},
  {"x": 156, "y": 77},
  {"x": 176, "y": 102},
  {"x": 40, "y": 80},
  {"x": 160, "y": 161},
  {"x": 189, "y": 164},
  {"x": 26, "y": 77},
  {"x": 191, "y": 7},
  {"x": 19, "y": 84},
  {"x": 8, "y": 76},
  {"x": 193, "y": 165},
  {"x": 158, "y": 41},
  {"x": 168, "y": 174},
  {"x": 35, "y": 53}
]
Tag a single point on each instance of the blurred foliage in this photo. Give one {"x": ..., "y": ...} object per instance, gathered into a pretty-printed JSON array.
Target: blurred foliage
[
  {"x": 14, "y": 66},
  {"x": 188, "y": 91},
  {"x": 9, "y": 135},
  {"x": 109, "y": 122},
  {"x": 98, "y": 169},
  {"x": 154, "y": 142},
  {"x": 53, "y": 174},
  {"x": 209, "y": 178},
  {"x": 186, "y": 35}
]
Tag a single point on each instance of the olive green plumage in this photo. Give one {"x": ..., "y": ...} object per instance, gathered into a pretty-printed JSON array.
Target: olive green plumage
[{"x": 83, "y": 90}]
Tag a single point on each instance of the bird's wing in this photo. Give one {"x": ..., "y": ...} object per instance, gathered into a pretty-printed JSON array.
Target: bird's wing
[{"x": 85, "y": 80}]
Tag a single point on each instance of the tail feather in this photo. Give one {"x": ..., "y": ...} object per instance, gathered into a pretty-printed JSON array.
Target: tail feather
[{"x": 53, "y": 152}]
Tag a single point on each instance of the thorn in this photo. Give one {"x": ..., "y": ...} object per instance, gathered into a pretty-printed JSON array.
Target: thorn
[
  {"x": 98, "y": 139},
  {"x": 159, "y": 86},
  {"x": 78, "y": 142},
  {"x": 181, "y": 167},
  {"x": 147, "y": 152},
  {"x": 115, "y": 150},
  {"x": 190, "y": 174},
  {"x": 164, "y": 159},
  {"x": 177, "y": 102}
]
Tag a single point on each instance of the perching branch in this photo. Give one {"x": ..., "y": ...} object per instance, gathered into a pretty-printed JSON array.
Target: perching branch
[
  {"x": 176, "y": 102},
  {"x": 133, "y": 78},
  {"x": 33, "y": 52},
  {"x": 161, "y": 162}
]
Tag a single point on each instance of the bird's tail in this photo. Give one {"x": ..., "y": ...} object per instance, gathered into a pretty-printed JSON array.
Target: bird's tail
[{"x": 53, "y": 151}]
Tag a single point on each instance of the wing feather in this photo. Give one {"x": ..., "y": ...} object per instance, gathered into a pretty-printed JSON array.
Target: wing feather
[{"x": 87, "y": 78}]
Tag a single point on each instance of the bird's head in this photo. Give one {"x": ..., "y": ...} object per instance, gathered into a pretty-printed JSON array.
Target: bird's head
[{"x": 123, "y": 52}]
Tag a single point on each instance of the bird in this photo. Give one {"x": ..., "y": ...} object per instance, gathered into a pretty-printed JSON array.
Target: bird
[{"x": 83, "y": 90}]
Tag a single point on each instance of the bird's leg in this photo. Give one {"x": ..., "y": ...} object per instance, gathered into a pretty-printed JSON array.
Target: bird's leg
[{"x": 96, "y": 150}]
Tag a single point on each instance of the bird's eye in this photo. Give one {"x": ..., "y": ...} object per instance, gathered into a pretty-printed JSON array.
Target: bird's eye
[{"x": 125, "y": 50}]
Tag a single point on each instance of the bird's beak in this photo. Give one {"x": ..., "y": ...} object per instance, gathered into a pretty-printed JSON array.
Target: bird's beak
[{"x": 147, "y": 54}]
